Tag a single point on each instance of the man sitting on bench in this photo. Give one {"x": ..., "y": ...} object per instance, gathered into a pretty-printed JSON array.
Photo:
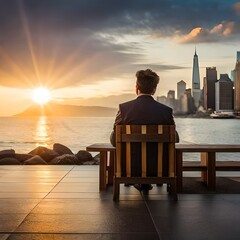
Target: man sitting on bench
[{"x": 144, "y": 110}]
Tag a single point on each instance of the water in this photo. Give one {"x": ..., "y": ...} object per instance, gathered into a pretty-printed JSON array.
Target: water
[{"x": 24, "y": 134}]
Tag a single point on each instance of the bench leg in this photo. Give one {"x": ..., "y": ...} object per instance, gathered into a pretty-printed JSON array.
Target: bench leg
[
  {"x": 116, "y": 190},
  {"x": 208, "y": 159},
  {"x": 111, "y": 168},
  {"x": 179, "y": 170},
  {"x": 103, "y": 171}
]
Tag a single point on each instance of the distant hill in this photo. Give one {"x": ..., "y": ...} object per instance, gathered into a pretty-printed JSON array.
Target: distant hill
[{"x": 53, "y": 109}]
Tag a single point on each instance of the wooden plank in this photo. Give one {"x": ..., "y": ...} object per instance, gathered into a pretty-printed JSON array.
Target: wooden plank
[
  {"x": 160, "y": 152},
  {"x": 208, "y": 147},
  {"x": 118, "y": 160},
  {"x": 171, "y": 159},
  {"x": 100, "y": 147},
  {"x": 111, "y": 168},
  {"x": 137, "y": 137},
  {"x": 128, "y": 153},
  {"x": 144, "y": 153}
]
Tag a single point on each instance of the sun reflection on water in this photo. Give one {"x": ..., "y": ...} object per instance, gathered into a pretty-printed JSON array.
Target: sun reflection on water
[{"x": 41, "y": 136}]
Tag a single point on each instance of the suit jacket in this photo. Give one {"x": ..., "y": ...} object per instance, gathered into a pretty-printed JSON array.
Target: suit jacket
[{"x": 144, "y": 110}]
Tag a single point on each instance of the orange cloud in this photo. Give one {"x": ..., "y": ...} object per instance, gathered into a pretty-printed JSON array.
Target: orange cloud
[
  {"x": 236, "y": 7},
  {"x": 217, "y": 33}
]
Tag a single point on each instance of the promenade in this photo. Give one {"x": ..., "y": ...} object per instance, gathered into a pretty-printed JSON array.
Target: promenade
[{"x": 63, "y": 202}]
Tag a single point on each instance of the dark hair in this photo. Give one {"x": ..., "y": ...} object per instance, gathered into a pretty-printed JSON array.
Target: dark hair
[{"x": 147, "y": 81}]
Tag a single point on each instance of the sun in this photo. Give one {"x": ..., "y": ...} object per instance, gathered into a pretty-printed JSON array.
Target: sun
[{"x": 41, "y": 95}]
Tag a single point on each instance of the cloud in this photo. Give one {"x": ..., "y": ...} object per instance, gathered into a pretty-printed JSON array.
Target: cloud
[
  {"x": 224, "y": 31},
  {"x": 63, "y": 43},
  {"x": 236, "y": 7}
]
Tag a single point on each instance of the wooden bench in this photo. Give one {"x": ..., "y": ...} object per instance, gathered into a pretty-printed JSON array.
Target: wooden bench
[
  {"x": 208, "y": 164},
  {"x": 141, "y": 146}
]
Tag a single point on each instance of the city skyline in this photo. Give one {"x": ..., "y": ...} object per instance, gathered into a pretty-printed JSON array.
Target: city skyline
[{"x": 80, "y": 50}]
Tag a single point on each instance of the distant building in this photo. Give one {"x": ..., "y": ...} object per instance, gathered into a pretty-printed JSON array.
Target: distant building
[
  {"x": 181, "y": 87},
  {"x": 187, "y": 102},
  {"x": 224, "y": 94},
  {"x": 171, "y": 99},
  {"x": 237, "y": 84},
  {"x": 196, "y": 80},
  {"x": 209, "y": 88},
  {"x": 162, "y": 100}
]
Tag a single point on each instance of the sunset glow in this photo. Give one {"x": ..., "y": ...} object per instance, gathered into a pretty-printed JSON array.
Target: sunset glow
[{"x": 41, "y": 95}]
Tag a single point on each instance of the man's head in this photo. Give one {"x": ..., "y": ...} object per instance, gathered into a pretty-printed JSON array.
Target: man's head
[{"x": 147, "y": 81}]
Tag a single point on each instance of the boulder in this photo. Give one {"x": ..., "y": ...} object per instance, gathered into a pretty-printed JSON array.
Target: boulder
[
  {"x": 35, "y": 160},
  {"x": 66, "y": 159},
  {"x": 97, "y": 159},
  {"x": 38, "y": 150},
  {"x": 45, "y": 153},
  {"x": 48, "y": 155},
  {"x": 22, "y": 157},
  {"x": 9, "y": 161},
  {"x": 83, "y": 156},
  {"x": 9, "y": 153},
  {"x": 61, "y": 149}
]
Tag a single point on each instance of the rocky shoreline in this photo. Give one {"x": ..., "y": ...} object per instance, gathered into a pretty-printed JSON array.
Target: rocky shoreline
[{"x": 58, "y": 155}]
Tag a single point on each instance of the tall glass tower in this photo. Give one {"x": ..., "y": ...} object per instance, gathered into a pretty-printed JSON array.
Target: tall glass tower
[
  {"x": 237, "y": 84},
  {"x": 196, "y": 80}
]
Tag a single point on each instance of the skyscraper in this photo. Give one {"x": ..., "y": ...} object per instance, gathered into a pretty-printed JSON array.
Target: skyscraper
[
  {"x": 196, "y": 80},
  {"x": 224, "y": 94},
  {"x": 237, "y": 84},
  {"x": 181, "y": 87},
  {"x": 209, "y": 88}
]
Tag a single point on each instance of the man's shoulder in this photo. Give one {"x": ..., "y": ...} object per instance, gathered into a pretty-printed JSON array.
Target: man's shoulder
[
  {"x": 163, "y": 106},
  {"x": 128, "y": 102}
]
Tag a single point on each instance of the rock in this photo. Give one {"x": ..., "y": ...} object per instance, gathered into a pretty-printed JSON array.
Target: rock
[
  {"x": 22, "y": 157},
  {"x": 9, "y": 153},
  {"x": 83, "y": 156},
  {"x": 93, "y": 162},
  {"x": 9, "y": 161},
  {"x": 35, "y": 160},
  {"x": 49, "y": 155},
  {"x": 61, "y": 149},
  {"x": 97, "y": 159},
  {"x": 45, "y": 153},
  {"x": 38, "y": 150},
  {"x": 66, "y": 159}
]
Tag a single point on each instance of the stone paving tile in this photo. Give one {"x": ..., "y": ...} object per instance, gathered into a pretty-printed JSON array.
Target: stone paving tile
[
  {"x": 46, "y": 223},
  {"x": 46, "y": 173},
  {"x": 76, "y": 187},
  {"x": 27, "y": 179},
  {"x": 80, "y": 179},
  {"x": 78, "y": 195},
  {"x": 25, "y": 195},
  {"x": 19, "y": 206},
  {"x": 4, "y": 236},
  {"x": 97, "y": 236},
  {"x": 9, "y": 222},
  {"x": 212, "y": 218},
  {"x": 90, "y": 206},
  {"x": 86, "y": 168},
  {"x": 82, "y": 174},
  {"x": 25, "y": 187},
  {"x": 46, "y": 167}
]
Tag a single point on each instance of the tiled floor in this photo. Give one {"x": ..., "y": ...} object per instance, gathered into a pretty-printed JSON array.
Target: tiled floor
[{"x": 63, "y": 202}]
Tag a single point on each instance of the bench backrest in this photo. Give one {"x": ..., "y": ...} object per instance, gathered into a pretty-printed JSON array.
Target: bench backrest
[{"x": 145, "y": 138}]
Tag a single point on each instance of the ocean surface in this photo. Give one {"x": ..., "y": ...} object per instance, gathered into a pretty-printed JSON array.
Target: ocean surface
[{"x": 24, "y": 134}]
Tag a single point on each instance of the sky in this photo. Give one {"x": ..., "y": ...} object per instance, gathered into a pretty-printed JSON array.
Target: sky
[{"x": 88, "y": 51}]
